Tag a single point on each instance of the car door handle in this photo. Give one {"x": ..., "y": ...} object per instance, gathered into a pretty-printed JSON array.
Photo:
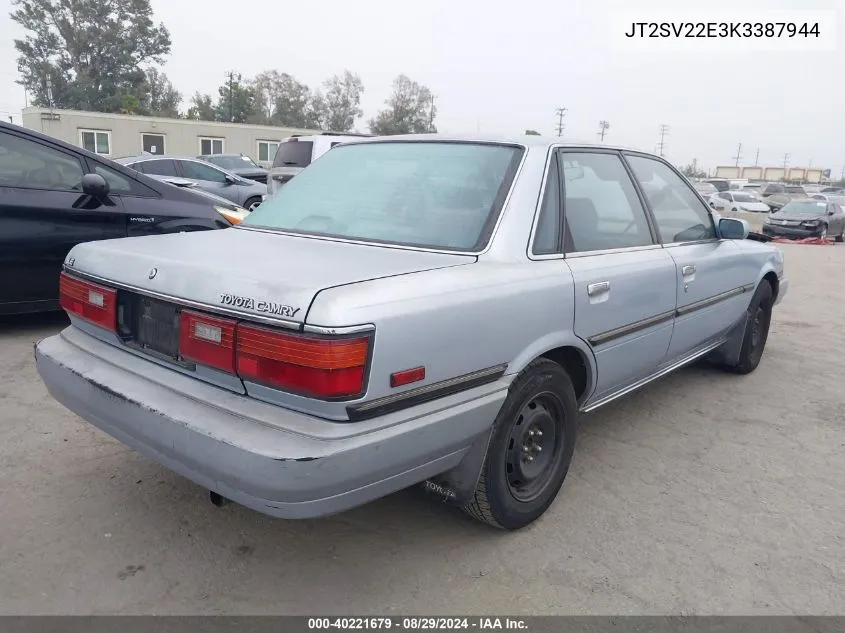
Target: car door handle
[
  {"x": 688, "y": 270},
  {"x": 598, "y": 288}
]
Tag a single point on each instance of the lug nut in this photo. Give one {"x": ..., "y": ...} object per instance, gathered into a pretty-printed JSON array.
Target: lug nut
[
  {"x": 531, "y": 433},
  {"x": 538, "y": 448},
  {"x": 539, "y": 433},
  {"x": 525, "y": 449},
  {"x": 530, "y": 458}
]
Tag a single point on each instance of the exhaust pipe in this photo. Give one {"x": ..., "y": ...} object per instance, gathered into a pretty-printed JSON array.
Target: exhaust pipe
[{"x": 218, "y": 499}]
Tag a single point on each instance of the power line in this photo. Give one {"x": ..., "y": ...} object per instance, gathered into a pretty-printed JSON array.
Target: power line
[
  {"x": 664, "y": 129},
  {"x": 561, "y": 112},
  {"x": 604, "y": 126},
  {"x": 738, "y": 156}
]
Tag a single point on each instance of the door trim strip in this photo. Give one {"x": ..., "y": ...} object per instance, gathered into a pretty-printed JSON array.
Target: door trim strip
[
  {"x": 625, "y": 330},
  {"x": 711, "y": 301}
]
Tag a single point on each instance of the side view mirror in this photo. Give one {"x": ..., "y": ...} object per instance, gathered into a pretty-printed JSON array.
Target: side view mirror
[
  {"x": 230, "y": 180},
  {"x": 95, "y": 186},
  {"x": 830, "y": 211},
  {"x": 733, "y": 229}
]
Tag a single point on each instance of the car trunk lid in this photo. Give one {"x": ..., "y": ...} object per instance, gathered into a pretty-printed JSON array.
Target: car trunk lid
[{"x": 266, "y": 274}]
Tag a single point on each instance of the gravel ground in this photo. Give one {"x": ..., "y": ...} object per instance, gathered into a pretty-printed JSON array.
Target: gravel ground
[{"x": 705, "y": 493}]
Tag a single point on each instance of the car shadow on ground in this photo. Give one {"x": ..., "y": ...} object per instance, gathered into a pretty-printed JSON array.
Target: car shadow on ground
[{"x": 18, "y": 324}]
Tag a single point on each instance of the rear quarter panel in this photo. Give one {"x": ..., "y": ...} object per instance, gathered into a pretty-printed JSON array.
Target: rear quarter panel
[{"x": 457, "y": 320}]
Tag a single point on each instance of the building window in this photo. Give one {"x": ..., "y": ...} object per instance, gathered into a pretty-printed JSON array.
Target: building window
[
  {"x": 152, "y": 143},
  {"x": 97, "y": 141},
  {"x": 267, "y": 151},
  {"x": 210, "y": 146}
]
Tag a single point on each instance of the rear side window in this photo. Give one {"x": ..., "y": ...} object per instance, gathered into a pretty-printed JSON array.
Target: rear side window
[
  {"x": 547, "y": 234},
  {"x": 601, "y": 206},
  {"x": 680, "y": 215},
  {"x": 199, "y": 171},
  {"x": 294, "y": 154},
  {"x": 158, "y": 167}
]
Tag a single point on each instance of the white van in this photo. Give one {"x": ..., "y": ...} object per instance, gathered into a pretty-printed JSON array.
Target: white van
[{"x": 297, "y": 152}]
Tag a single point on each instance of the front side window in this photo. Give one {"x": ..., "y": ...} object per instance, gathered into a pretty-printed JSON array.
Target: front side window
[
  {"x": 428, "y": 194},
  {"x": 680, "y": 215},
  {"x": 210, "y": 146},
  {"x": 27, "y": 164},
  {"x": 199, "y": 171},
  {"x": 267, "y": 151},
  {"x": 96, "y": 141},
  {"x": 601, "y": 206}
]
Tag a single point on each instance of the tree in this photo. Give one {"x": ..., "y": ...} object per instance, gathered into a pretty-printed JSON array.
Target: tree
[
  {"x": 86, "y": 54},
  {"x": 202, "y": 109},
  {"x": 161, "y": 98},
  {"x": 342, "y": 101},
  {"x": 280, "y": 99},
  {"x": 410, "y": 110},
  {"x": 236, "y": 101},
  {"x": 692, "y": 170},
  {"x": 532, "y": 133}
]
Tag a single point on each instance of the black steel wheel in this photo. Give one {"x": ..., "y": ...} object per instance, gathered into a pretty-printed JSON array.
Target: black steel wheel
[
  {"x": 530, "y": 449},
  {"x": 756, "y": 329}
]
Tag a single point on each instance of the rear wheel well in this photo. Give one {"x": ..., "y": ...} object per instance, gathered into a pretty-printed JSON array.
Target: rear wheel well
[
  {"x": 573, "y": 361},
  {"x": 772, "y": 278}
]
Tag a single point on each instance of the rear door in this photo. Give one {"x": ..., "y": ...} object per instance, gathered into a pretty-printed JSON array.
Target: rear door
[
  {"x": 624, "y": 280},
  {"x": 714, "y": 279},
  {"x": 43, "y": 214}
]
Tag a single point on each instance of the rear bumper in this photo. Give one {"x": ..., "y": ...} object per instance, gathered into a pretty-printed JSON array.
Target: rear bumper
[{"x": 273, "y": 460}]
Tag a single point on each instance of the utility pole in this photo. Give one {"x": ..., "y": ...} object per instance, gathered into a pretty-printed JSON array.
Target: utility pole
[
  {"x": 561, "y": 112},
  {"x": 50, "y": 91},
  {"x": 604, "y": 126},
  {"x": 738, "y": 155},
  {"x": 757, "y": 157},
  {"x": 785, "y": 160},
  {"x": 231, "y": 76},
  {"x": 664, "y": 129}
]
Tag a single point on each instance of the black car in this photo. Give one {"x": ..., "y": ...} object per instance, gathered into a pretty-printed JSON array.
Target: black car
[
  {"x": 239, "y": 165},
  {"x": 807, "y": 218},
  {"x": 54, "y": 195}
]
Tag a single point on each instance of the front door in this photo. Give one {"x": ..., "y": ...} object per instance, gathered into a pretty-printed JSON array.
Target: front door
[
  {"x": 209, "y": 179},
  {"x": 624, "y": 280},
  {"x": 43, "y": 214},
  {"x": 714, "y": 280}
]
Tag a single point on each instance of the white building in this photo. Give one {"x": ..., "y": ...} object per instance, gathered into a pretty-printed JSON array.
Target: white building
[{"x": 115, "y": 135}]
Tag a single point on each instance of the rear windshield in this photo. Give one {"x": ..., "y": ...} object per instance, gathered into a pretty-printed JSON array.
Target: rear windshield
[
  {"x": 294, "y": 154},
  {"x": 428, "y": 194},
  {"x": 231, "y": 162}
]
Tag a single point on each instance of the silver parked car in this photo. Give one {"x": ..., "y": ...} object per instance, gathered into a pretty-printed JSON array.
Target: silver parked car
[
  {"x": 211, "y": 178},
  {"x": 421, "y": 309}
]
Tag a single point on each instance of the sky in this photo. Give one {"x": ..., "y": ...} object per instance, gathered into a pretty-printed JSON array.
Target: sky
[{"x": 504, "y": 67}]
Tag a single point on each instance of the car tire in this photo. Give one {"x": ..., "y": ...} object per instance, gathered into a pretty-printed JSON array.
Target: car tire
[
  {"x": 823, "y": 232},
  {"x": 712, "y": 206},
  {"x": 734, "y": 209},
  {"x": 841, "y": 237},
  {"x": 519, "y": 481},
  {"x": 252, "y": 203},
  {"x": 758, "y": 320}
]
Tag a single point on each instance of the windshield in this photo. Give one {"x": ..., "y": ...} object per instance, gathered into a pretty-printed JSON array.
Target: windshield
[
  {"x": 231, "y": 162},
  {"x": 429, "y": 194},
  {"x": 805, "y": 208},
  {"x": 795, "y": 190},
  {"x": 744, "y": 197}
]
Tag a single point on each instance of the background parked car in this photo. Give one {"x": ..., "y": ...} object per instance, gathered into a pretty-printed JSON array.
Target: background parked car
[
  {"x": 239, "y": 165},
  {"x": 738, "y": 201},
  {"x": 297, "y": 152},
  {"x": 54, "y": 195},
  {"x": 777, "y": 195},
  {"x": 840, "y": 191},
  {"x": 807, "y": 218},
  {"x": 243, "y": 192},
  {"x": 706, "y": 189}
]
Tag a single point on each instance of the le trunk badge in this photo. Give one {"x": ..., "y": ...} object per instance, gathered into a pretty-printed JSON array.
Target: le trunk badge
[{"x": 153, "y": 273}]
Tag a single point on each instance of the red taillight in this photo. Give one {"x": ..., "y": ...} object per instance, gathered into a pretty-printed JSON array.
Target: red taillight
[
  {"x": 311, "y": 366},
  {"x": 89, "y": 301},
  {"x": 207, "y": 340}
]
